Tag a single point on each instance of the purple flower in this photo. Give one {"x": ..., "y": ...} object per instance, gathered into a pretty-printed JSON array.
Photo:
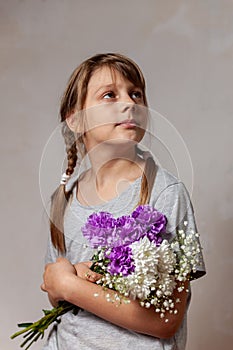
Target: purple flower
[
  {"x": 153, "y": 221},
  {"x": 145, "y": 214},
  {"x": 128, "y": 230},
  {"x": 103, "y": 230},
  {"x": 100, "y": 229},
  {"x": 121, "y": 260}
]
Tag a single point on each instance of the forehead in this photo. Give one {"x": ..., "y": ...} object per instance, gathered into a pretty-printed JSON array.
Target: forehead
[{"x": 106, "y": 76}]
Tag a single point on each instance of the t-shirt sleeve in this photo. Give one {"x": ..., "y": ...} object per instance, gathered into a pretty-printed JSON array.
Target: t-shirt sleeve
[
  {"x": 51, "y": 254},
  {"x": 174, "y": 202}
]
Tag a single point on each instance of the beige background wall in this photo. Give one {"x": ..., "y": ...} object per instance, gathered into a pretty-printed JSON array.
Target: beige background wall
[{"x": 185, "y": 49}]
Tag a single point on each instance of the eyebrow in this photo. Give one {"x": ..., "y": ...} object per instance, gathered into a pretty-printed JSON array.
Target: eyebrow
[
  {"x": 104, "y": 87},
  {"x": 109, "y": 86}
]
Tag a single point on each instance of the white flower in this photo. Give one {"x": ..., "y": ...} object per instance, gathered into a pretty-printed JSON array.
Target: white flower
[{"x": 153, "y": 267}]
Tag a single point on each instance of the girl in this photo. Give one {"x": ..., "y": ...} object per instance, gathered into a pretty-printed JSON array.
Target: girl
[{"x": 104, "y": 117}]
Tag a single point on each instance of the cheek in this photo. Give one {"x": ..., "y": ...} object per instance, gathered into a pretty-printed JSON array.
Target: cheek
[
  {"x": 100, "y": 116},
  {"x": 98, "y": 135},
  {"x": 141, "y": 116},
  {"x": 143, "y": 124}
]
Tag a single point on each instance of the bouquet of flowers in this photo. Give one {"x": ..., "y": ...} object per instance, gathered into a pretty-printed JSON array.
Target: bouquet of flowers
[{"x": 137, "y": 259}]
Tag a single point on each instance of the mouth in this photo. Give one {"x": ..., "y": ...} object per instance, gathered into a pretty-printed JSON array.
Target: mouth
[{"x": 128, "y": 123}]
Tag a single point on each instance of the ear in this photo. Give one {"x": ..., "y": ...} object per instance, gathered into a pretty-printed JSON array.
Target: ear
[{"x": 75, "y": 122}]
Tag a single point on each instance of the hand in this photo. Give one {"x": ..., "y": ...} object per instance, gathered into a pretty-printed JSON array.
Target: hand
[
  {"x": 83, "y": 271},
  {"x": 56, "y": 279}
]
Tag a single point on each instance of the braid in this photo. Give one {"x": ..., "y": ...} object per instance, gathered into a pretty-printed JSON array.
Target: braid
[
  {"x": 61, "y": 197},
  {"x": 71, "y": 149},
  {"x": 148, "y": 177}
]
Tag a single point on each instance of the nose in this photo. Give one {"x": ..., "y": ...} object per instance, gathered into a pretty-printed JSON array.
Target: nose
[
  {"x": 126, "y": 103},
  {"x": 127, "y": 107}
]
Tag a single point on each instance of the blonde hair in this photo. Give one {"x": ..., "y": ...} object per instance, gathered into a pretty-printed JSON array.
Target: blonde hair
[{"x": 73, "y": 100}]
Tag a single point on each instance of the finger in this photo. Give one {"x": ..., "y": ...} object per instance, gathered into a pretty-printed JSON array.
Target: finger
[
  {"x": 89, "y": 276},
  {"x": 88, "y": 263},
  {"x": 84, "y": 263},
  {"x": 92, "y": 276},
  {"x": 81, "y": 268}
]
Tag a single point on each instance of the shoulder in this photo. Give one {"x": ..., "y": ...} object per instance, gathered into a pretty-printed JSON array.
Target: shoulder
[
  {"x": 82, "y": 177},
  {"x": 163, "y": 175},
  {"x": 168, "y": 191},
  {"x": 165, "y": 182}
]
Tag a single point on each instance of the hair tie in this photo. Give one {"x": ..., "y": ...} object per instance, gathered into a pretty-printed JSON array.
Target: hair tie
[
  {"x": 146, "y": 155},
  {"x": 64, "y": 179}
]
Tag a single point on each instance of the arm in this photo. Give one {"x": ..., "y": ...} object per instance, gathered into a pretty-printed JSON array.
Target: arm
[{"x": 62, "y": 283}]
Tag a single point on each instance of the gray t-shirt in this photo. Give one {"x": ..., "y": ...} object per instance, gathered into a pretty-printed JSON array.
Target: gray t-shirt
[{"x": 86, "y": 331}]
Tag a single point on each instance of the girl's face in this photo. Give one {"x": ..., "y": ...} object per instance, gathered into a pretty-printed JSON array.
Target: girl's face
[{"x": 114, "y": 110}]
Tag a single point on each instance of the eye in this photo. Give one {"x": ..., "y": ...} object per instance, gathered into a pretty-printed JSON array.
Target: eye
[
  {"x": 136, "y": 95},
  {"x": 109, "y": 95}
]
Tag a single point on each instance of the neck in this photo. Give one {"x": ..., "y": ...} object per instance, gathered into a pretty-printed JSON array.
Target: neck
[{"x": 111, "y": 164}]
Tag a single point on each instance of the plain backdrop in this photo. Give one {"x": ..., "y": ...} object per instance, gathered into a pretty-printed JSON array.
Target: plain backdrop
[{"x": 185, "y": 49}]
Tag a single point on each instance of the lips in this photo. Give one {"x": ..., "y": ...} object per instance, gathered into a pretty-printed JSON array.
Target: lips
[{"x": 128, "y": 123}]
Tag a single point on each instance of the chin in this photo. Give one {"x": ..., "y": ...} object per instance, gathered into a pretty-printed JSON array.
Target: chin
[{"x": 122, "y": 140}]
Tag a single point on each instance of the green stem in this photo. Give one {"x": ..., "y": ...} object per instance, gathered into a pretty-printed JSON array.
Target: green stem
[{"x": 35, "y": 330}]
